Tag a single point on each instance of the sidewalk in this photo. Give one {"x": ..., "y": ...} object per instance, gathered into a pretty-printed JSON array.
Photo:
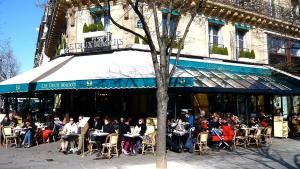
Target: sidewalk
[{"x": 283, "y": 153}]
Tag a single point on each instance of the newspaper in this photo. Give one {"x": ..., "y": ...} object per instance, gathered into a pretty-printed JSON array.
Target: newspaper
[
  {"x": 2, "y": 117},
  {"x": 83, "y": 121}
]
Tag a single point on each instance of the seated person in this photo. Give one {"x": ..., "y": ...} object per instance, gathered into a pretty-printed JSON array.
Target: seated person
[
  {"x": 140, "y": 129},
  {"x": 123, "y": 127},
  {"x": 97, "y": 123},
  {"x": 11, "y": 121},
  {"x": 179, "y": 126},
  {"x": 48, "y": 130},
  {"x": 252, "y": 122},
  {"x": 28, "y": 133},
  {"x": 69, "y": 130},
  {"x": 108, "y": 126},
  {"x": 215, "y": 126}
]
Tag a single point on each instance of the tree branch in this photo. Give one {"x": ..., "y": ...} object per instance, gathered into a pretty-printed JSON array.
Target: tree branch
[
  {"x": 184, "y": 37},
  {"x": 121, "y": 26}
]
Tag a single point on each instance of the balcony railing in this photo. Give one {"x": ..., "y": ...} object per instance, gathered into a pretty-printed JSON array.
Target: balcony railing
[{"x": 264, "y": 8}]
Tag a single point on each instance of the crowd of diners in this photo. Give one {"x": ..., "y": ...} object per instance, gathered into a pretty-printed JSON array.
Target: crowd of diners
[{"x": 67, "y": 129}]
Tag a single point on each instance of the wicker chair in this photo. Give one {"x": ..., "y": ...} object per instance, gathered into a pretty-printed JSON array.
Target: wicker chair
[
  {"x": 201, "y": 143},
  {"x": 8, "y": 136},
  {"x": 241, "y": 138},
  {"x": 110, "y": 145},
  {"x": 255, "y": 138},
  {"x": 148, "y": 145},
  {"x": 91, "y": 143},
  {"x": 268, "y": 135}
]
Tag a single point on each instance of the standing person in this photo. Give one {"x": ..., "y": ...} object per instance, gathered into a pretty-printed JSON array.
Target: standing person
[
  {"x": 69, "y": 130},
  {"x": 83, "y": 132},
  {"x": 190, "y": 119}
]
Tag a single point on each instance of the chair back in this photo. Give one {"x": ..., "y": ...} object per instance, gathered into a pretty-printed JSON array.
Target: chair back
[
  {"x": 269, "y": 131},
  {"x": 203, "y": 137},
  {"x": 258, "y": 132},
  {"x": 153, "y": 137},
  {"x": 246, "y": 133},
  {"x": 7, "y": 131},
  {"x": 113, "y": 139},
  {"x": 150, "y": 129}
]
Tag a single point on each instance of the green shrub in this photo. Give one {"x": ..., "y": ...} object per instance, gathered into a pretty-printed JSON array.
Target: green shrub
[
  {"x": 219, "y": 50},
  {"x": 136, "y": 40},
  {"x": 247, "y": 54},
  {"x": 100, "y": 27},
  {"x": 145, "y": 42},
  {"x": 85, "y": 28},
  {"x": 252, "y": 54},
  {"x": 93, "y": 27}
]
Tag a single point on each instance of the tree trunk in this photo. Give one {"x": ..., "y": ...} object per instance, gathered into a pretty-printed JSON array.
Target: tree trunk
[{"x": 162, "y": 106}]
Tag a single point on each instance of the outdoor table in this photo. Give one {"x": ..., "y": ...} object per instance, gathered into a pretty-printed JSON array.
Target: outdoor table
[
  {"x": 179, "y": 137},
  {"x": 100, "y": 136},
  {"x": 131, "y": 136}
]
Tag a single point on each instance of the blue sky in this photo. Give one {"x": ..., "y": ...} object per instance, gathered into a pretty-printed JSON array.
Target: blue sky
[{"x": 19, "y": 20}]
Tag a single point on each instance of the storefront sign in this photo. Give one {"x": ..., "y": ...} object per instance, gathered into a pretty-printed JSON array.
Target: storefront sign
[{"x": 94, "y": 44}]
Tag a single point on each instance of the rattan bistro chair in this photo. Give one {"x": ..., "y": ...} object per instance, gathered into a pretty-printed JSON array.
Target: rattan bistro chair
[
  {"x": 8, "y": 136},
  {"x": 241, "y": 138},
  {"x": 267, "y": 135},
  {"x": 201, "y": 143},
  {"x": 92, "y": 145},
  {"x": 255, "y": 138},
  {"x": 148, "y": 145},
  {"x": 110, "y": 147}
]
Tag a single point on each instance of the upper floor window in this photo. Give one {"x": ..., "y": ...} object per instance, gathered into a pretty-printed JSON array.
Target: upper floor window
[
  {"x": 276, "y": 45},
  {"x": 240, "y": 37},
  {"x": 215, "y": 35},
  {"x": 104, "y": 19},
  {"x": 295, "y": 48}
]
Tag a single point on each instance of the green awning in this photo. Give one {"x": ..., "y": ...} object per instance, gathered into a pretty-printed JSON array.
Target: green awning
[
  {"x": 216, "y": 21},
  {"x": 242, "y": 26}
]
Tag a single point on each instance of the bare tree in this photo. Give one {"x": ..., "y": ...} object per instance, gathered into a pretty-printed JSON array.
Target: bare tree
[
  {"x": 8, "y": 63},
  {"x": 165, "y": 39}
]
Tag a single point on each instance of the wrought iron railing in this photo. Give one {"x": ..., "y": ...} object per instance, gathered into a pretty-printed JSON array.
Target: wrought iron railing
[{"x": 264, "y": 8}]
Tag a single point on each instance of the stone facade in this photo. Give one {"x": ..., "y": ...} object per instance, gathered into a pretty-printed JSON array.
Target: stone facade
[{"x": 197, "y": 41}]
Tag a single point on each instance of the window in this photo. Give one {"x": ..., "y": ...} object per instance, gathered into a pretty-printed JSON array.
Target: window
[
  {"x": 103, "y": 19},
  {"x": 139, "y": 24},
  {"x": 106, "y": 23},
  {"x": 276, "y": 45},
  {"x": 295, "y": 48},
  {"x": 215, "y": 37},
  {"x": 240, "y": 37},
  {"x": 165, "y": 26}
]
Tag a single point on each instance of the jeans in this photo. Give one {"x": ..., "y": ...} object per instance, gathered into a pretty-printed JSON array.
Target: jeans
[{"x": 27, "y": 138}]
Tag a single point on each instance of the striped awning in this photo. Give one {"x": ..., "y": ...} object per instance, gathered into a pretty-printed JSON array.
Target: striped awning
[{"x": 133, "y": 69}]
